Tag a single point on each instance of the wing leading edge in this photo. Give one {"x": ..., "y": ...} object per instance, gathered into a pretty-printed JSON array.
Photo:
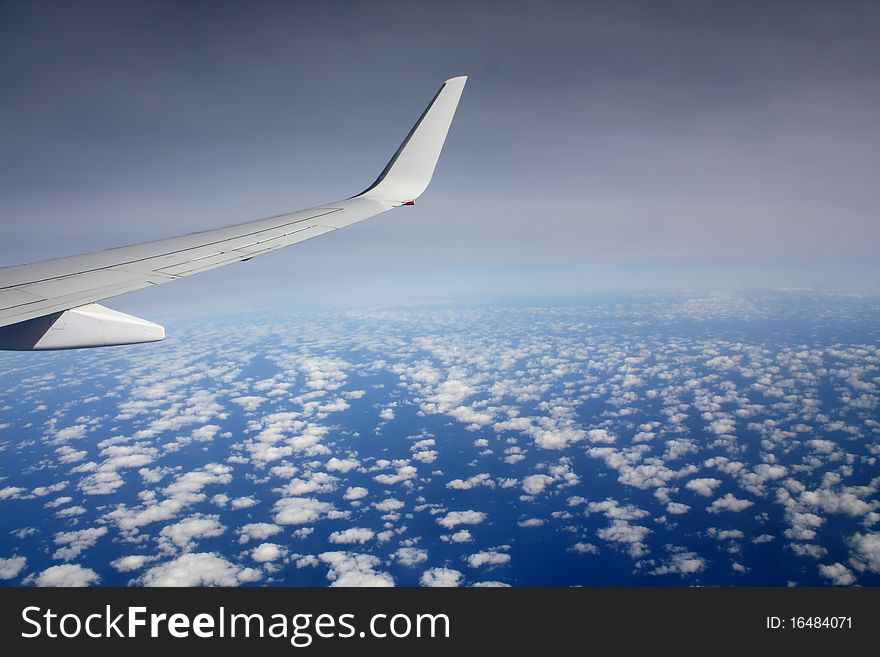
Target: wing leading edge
[{"x": 52, "y": 304}]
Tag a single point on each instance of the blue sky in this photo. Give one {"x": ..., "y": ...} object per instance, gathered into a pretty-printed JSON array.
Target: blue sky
[{"x": 599, "y": 145}]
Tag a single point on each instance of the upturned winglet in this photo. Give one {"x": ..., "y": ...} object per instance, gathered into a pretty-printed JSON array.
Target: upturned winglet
[{"x": 408, "y": 173}]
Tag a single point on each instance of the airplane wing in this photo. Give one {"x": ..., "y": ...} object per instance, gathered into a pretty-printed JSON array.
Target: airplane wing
[{"x": 52, "y": 304}]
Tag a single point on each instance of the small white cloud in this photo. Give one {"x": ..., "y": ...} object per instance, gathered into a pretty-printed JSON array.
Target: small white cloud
[
  {"x": 488, "y": 558},
  {"x": 455, "y": 518},
  {"x": 342, "y": 465},
  {"x": 250, "y": 403},
  {"x": 822, "y": 446},
  {"x": 42, "y": 491},
  {"x": 352, "y": 535},
  {"x": 198, "y": 569},
  {"x": 257, "y": 531},
  {"x": 11, "y": 492},
  {"x": 404, "y": 473},
  {"x": 76, "y": 542},
  {"x": 355, "y": 493},
  {"x": 613, "y": 511},
  {"x": 425, "y": 456},
  {"x": 189, "y": 531},
  {"x": 839, "y": 574},
  {"x": 490, "y": 585},
  {"x": 300, "y": 510},
  {"x": 677, "y": 508},
  {"x": 632, "y": 536},
  {"x": 268, "y": 552},
  {"x": 69, "y": 433},
  {"x": 482, "y": 479},
  {"x": 705, "y": 486},
  {"x": 461, "y": 536},
  {"x": 132, "y": 562},
  {"x": 681, "y": 563},
  {"x": 728, "y": 503},
  {"x": 67, "y": 575},
  {"x": 11, "y": 567},
  {"x": 531, "y": 522},
  {"x": 348, "y": 569},
  {"x": 410, "y": 556},
  {"x": 865, "y": 552},
  {"x": 601, "y": 436},
  {"x": 389, "y": 505},
  {"x": 534, "y": 484},
  {"x": 58, "y": 501},
  {"x": 441, "y": 578}
]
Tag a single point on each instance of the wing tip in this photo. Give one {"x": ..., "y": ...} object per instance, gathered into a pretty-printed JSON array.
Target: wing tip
[{"x": 409, "y": 171}]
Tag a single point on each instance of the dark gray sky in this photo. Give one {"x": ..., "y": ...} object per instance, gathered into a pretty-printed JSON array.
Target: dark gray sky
[{"x": 598, "y": 144}]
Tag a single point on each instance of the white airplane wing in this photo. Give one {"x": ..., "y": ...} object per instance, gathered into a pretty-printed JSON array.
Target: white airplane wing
[{"x": 52, "y": 304}]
